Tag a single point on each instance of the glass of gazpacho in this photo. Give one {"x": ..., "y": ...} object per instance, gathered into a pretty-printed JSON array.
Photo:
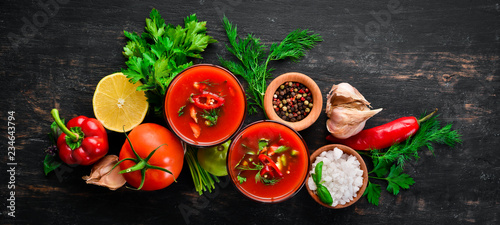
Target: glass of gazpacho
[
  {"x": 268, "y": 161},
  {"x": 205, "y": 105}
]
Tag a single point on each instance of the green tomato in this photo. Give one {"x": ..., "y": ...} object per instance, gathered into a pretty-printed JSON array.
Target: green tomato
[{"x": 213, "y": 159}]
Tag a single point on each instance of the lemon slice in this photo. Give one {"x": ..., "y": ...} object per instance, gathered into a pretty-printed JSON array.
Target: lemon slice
[{"x": 117, "y": 103}]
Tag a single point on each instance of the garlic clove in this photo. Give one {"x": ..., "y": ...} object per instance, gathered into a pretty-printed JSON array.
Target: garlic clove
[
  {"x": 345, "y": 93},
  {"x": 347, "y": 110},
  {"x": 346, "y": 122},
  {"x": 100, "y": 174}
]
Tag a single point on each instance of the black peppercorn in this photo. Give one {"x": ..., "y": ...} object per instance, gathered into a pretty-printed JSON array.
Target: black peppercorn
[{"x": 292, "y": 101}]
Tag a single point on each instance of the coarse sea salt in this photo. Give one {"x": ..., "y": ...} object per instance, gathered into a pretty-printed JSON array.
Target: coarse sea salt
[{"x": 341, "y": 175}]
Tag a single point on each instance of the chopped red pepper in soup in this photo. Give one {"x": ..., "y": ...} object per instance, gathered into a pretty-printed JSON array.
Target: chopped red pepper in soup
[
  {"x": 202, "y": 107},
  {"x": 268, "y": 161}
]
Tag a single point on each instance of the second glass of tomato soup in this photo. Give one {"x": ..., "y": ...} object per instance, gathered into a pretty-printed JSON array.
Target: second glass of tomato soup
[
  {"x": 268, "y": 161},
  {"x": 205, "y": 105}
]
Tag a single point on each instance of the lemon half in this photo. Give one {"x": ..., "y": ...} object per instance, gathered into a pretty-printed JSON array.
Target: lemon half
[{"x": 117, "y": 103}]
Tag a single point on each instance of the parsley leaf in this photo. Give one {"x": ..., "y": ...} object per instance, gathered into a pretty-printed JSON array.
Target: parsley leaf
[
  {"x": 372, "y": 192},
  {"x": 389, "y": 164},
  {"x": 241, "y": 179},
  {"x": 161, "y": 52},
  {"x": 398, "y": 180},
  {"x": 381, "y": 167}
]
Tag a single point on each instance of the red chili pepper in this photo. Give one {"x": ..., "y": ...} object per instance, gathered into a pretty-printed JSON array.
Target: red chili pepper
[
  {"x": 270, "y": 167},
  {"x": 208, "y": 100},
  {"x": 383, "y": 136},
  {"x": 83, "y": 141}
]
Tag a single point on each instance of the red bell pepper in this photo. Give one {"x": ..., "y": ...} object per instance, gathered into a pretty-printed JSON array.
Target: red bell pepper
[
  {"x": 208, "y": 100},
  {"x": 83, "y": 141}
]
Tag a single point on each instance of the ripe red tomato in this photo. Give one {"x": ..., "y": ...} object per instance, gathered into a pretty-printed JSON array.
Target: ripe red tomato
[{"x": 145, "y": 138}]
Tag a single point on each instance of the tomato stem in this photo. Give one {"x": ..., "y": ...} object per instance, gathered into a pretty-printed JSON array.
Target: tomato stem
[{"x": 141, "y": 164}]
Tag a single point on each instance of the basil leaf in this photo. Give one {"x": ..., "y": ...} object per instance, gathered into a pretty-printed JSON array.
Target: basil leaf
[
  {"x": 324, "y": 195},
  {"x": 315, "y": 178},
  {"x": 55, "y": 132},
  {"x": 318, "y": 170},
  {"x": 50, "y": 163}
]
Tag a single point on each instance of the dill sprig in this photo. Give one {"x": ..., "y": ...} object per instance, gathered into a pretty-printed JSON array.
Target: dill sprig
[
  {"x": 389, "y": 164},
  {"x": 253, "y": 58},
  {"x": 428, "y": 133}
]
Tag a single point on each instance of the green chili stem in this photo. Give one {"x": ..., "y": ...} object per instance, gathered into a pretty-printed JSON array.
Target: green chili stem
[
  {"x": 427, "y": 117},
  {"x": 55, "y": 114}
]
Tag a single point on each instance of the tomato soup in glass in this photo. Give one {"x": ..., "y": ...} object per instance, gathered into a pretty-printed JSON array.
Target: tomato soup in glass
[
  {"x": 268, "y": 161},
  {"x": 205, "y": 105}
]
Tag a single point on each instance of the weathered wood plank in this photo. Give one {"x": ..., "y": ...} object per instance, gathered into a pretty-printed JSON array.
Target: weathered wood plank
[{"x": 407, "y": 57}]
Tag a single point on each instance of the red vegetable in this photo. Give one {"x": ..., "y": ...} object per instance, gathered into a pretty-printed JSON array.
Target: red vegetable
[
  {"x": 383, "y": 136},
  {"x": 208, "y": 100},
  {"x": 83, "y": 141},
  {"x": 196, "y": 129},
  {"x": 270, "y": 167},
  {"x": 151, "y": 158}
]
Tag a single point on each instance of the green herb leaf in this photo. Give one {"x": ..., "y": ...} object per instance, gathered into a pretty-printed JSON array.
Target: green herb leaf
[
  {"x": 256, "y": 167},
  {"x": 208, "y": 83},
  {"x": 398, "y": 180},
  {"x": 50, "y": 163},
  {"x": 281, "y": 149},
  {"x": 253, "y": 59},
  {"x": 315, "y": 178},
  {"x": 381, "y": 167},
  {"x": 318, "y": 170},
  {"x": 257, "y": 177},
  {"x": 391, "y": 162},
  {"x": 211, "y": 116},
  {"x": 241, "y": 179},
  {"x": 181, "y": 110},
  {"x": 55, "y": 132},
  {"x": 263, "y": 143},
  {"x": 428, "y": 133},
  {"x": 324, "y": 195},
  {"x": 268, "y": 181},
  {"x": 161, "y": 52},
  {"x": 372, "y": 192}
]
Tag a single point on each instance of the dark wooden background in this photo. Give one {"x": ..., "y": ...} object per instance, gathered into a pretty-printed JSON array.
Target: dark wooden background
[{"x": 407, "y": 57}]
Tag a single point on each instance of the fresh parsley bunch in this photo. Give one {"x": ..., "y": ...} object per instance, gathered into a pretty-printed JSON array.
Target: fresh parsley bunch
[
  {"x": 253, "y": 58},
  {"x": 388, "y": 165},
  {"x": 157, "y": 55}
]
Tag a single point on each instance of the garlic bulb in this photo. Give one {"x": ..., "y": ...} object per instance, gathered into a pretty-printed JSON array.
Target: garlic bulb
[
  {"x": 101, "y": 175},
  {"x": 347, "y": 111}
]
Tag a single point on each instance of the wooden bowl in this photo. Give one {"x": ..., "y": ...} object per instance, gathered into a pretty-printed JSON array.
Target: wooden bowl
[
  {"x": 313, "y": 88},
  {"x": 362, "y": 165}
]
